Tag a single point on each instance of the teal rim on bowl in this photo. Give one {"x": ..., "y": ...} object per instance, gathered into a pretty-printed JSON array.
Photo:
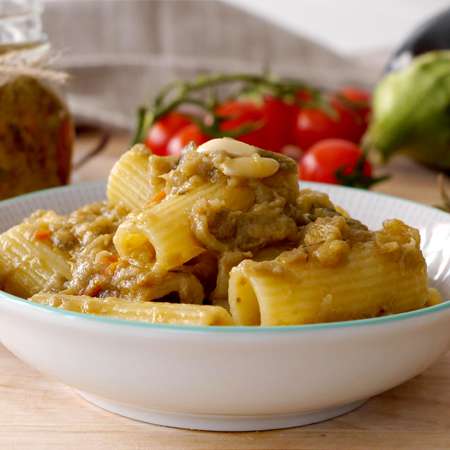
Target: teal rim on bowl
[{"x": 234, "y": 328}]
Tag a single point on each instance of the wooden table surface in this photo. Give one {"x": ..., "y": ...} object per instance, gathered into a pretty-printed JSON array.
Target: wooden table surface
[{"x": 39, "y": 413}]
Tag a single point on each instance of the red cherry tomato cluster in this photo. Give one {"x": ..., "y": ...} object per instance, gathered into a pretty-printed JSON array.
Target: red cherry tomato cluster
[{"x": 323, "y": 136}]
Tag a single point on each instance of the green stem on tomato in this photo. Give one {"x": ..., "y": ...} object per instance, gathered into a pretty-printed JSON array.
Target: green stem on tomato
[
  {"x": 357, "y": 178},
  {"x": 142, "y": 112}
]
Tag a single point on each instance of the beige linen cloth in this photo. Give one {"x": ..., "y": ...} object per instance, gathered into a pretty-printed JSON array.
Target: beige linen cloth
[{"x": 121, "y": 52}]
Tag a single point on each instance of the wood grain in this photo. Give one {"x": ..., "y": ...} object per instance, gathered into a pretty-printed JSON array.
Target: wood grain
[{"x": 38, "y": 413}]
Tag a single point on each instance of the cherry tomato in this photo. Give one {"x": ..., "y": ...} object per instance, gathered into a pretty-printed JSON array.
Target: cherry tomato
[
  {"x": 304, "y": 96},
  {"x": 359, "y": 99},
  {"x": 162, "y": 131},
  {"x": 325, "y": 159},
  {"x": 351, "y": 125},
  {"x": 238, "y": 114},
  {"x": 315, "y": 124},
  {"x": 355, "y": 95},
  {"x": 292, "y": 110},
  {"x": 190, "y": 133},
  {"x": 279, "y": 118},
  {"x": 272, "y": 120}
]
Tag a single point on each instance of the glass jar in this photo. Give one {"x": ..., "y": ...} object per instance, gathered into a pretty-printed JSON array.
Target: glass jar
[{"x": 36, "y": 129}]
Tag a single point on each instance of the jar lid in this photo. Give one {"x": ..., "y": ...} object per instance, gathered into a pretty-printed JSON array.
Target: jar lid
[{"x": 20, "y": 23}]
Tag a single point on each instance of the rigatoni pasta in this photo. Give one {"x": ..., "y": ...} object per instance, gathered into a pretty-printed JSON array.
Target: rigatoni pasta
[
  {"x": 136, "y": 178},
  {"x": 224, "y": 227},
  {"x": 161, "y": 236},
  {"x": 333, "y": 280},
  {"x": 128, "y": 182},
  {"x": 29, "y": 262},
  {"x": 149, "y": 312}
]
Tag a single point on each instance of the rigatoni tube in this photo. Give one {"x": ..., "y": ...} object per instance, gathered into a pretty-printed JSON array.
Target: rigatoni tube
[
  {"x": 383, "y": 275},
  {"x": 156, "y": 313},
  {"x": 161, "y": 235},
  {"x": 128, "y": 181},
  {"x": 28, "y": 264}
]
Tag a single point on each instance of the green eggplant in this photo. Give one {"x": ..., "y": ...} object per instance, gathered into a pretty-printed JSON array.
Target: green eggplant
[{"x": 411, "y": 112}]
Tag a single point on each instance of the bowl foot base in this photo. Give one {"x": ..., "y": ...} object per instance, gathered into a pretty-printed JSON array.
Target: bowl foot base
[{"x": 214, "y": 422}]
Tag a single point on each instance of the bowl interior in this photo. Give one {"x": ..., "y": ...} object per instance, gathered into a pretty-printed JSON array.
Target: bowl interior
[{"x": 371, "y": 208}]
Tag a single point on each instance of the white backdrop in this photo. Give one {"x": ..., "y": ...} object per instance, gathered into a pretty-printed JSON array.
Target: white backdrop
[{"x": 347, "y": 26}]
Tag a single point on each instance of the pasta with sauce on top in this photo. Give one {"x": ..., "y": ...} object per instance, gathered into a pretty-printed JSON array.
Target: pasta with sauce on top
[{"x": 221, "y": 236}]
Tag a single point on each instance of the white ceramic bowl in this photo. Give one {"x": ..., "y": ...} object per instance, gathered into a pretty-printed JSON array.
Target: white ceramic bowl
[{"x": 236, "y": 378}]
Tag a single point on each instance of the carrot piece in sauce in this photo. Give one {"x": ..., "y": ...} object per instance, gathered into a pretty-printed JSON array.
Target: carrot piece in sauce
[
  {"x": 93, "y": 291},
  {"x": 42, "y": 234}
]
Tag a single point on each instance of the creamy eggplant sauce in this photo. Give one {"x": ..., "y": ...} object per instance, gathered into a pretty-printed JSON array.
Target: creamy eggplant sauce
[
  {"x": 328, "y": 240},
  {"x": 256, "y": 211},
  {"x": 73, "y": 232}
]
